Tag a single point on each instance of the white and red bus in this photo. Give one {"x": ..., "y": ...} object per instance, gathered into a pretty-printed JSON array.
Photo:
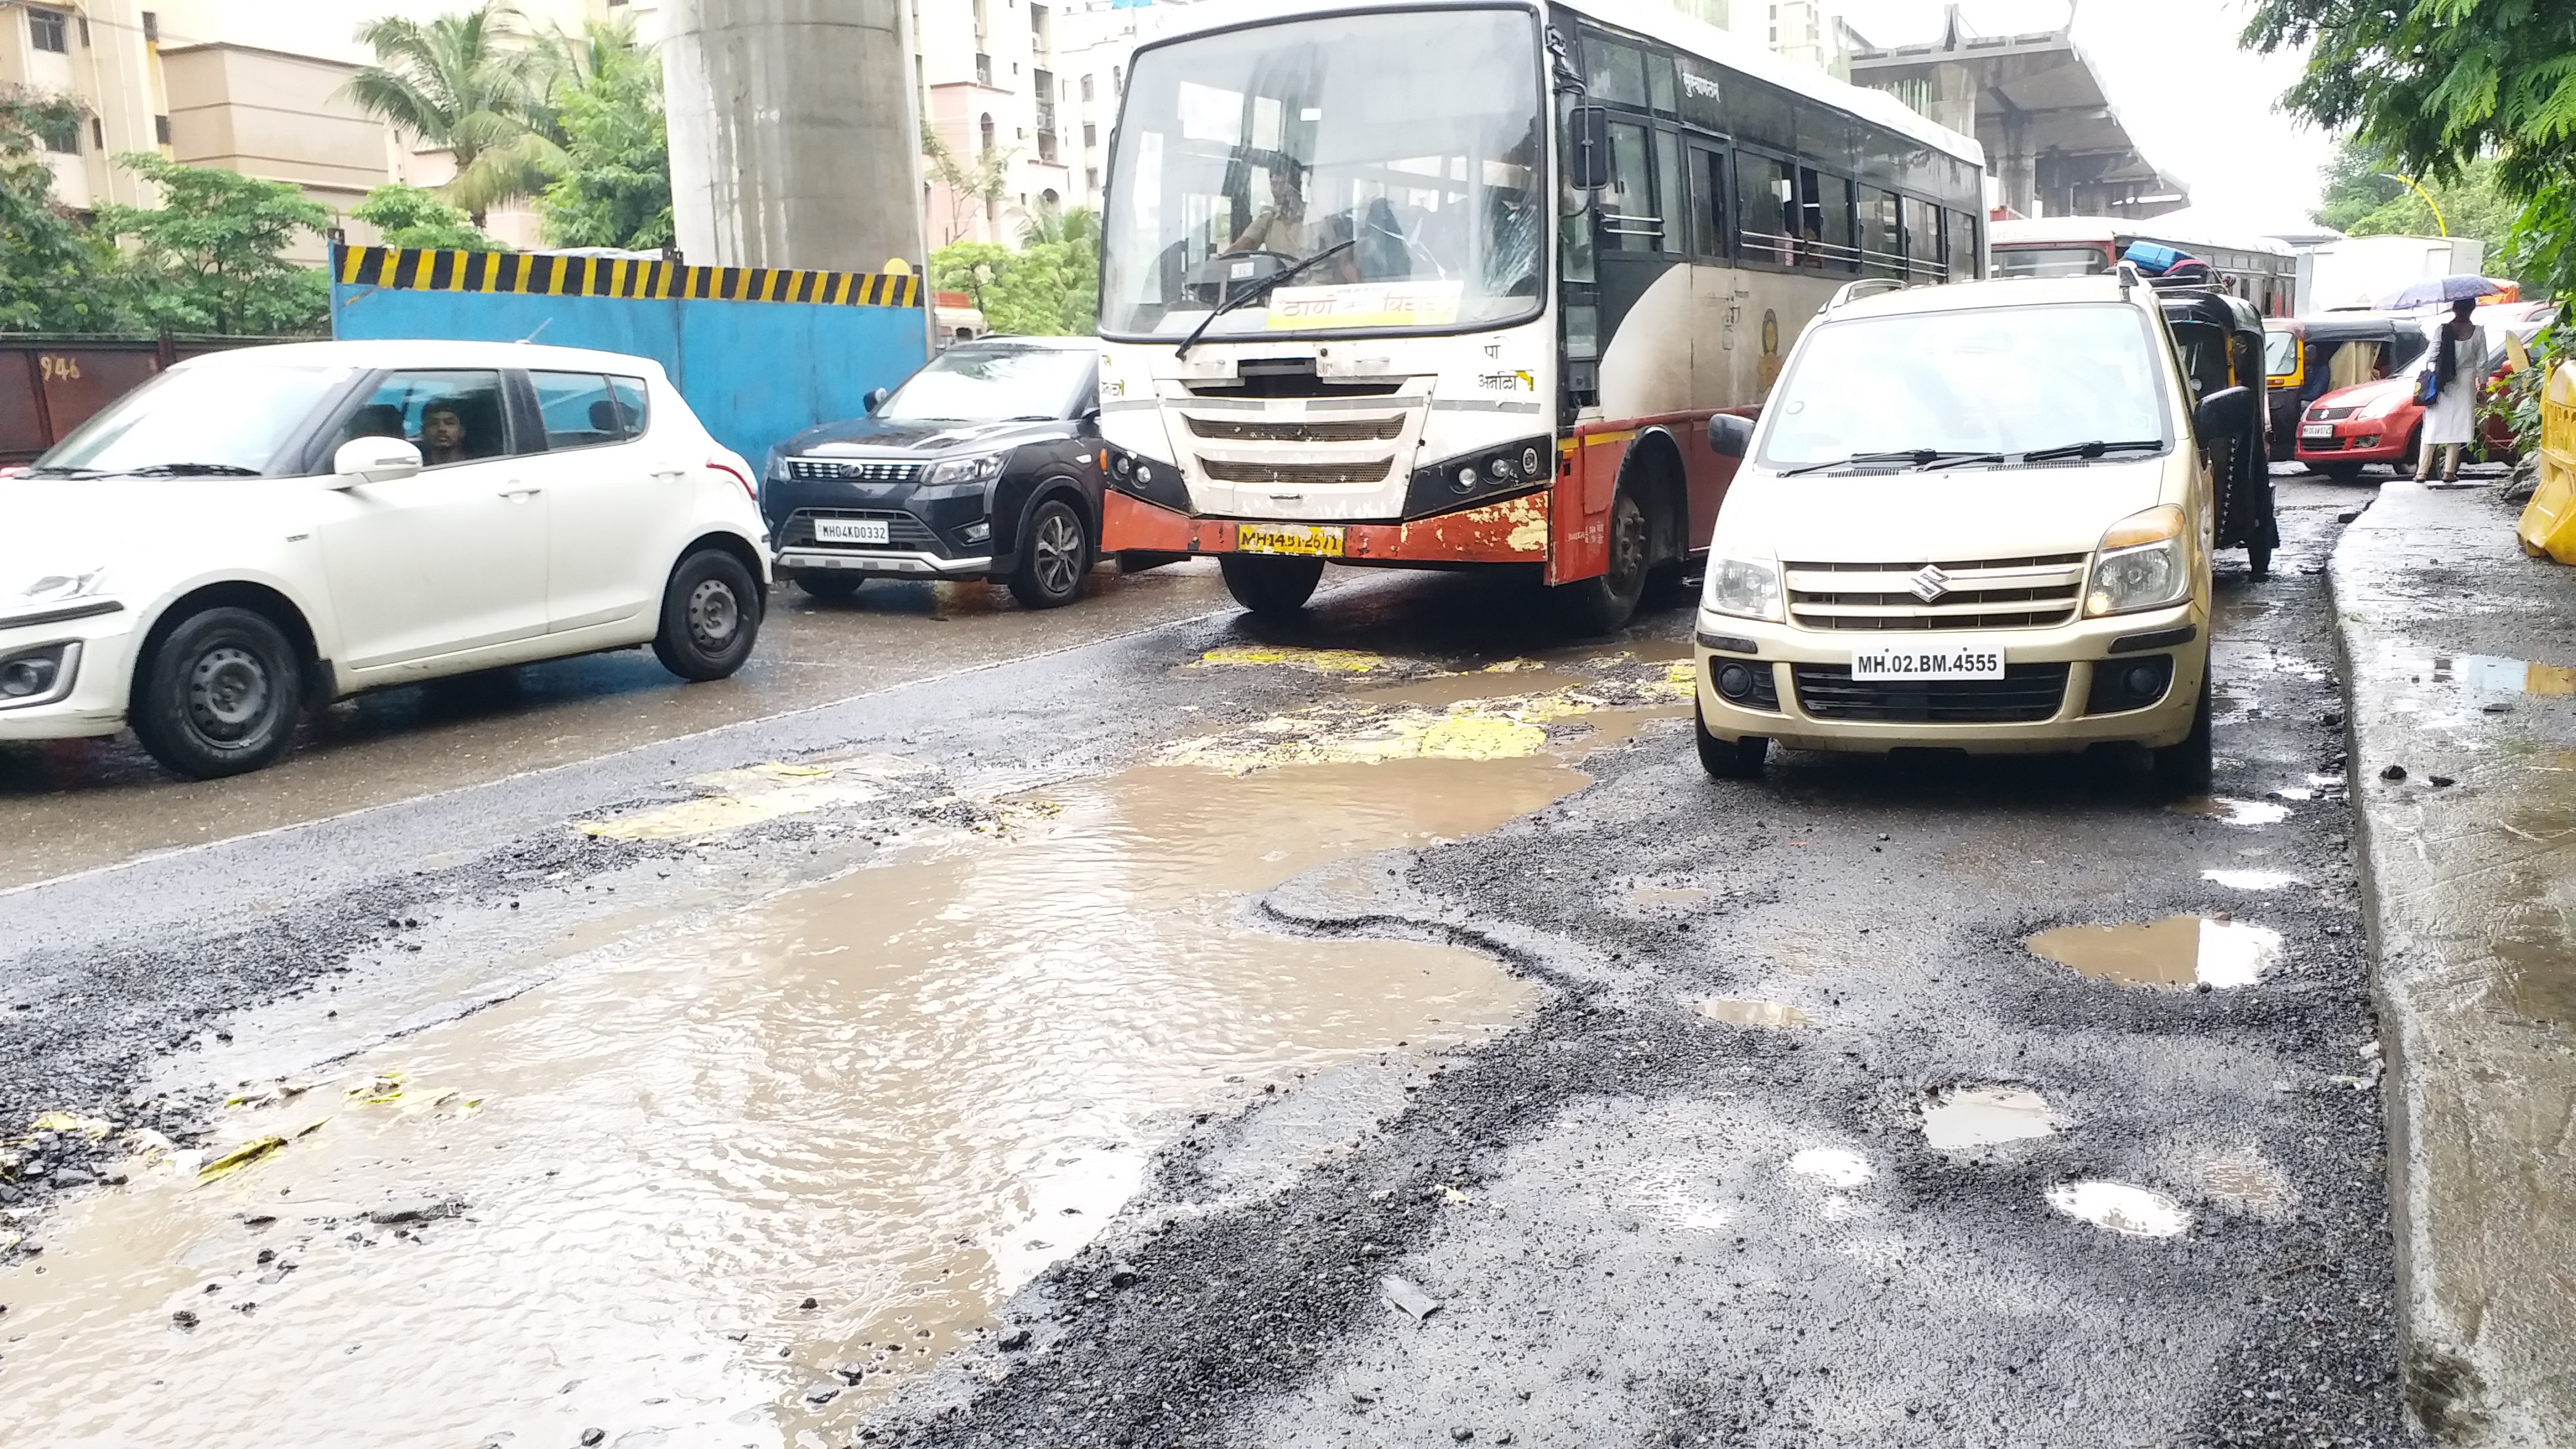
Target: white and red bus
[
  {"x": 2263, "y": 270},
  {"x": 1459, "y": 284}
]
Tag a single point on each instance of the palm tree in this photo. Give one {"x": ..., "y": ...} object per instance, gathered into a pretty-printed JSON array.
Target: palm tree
[{"x": 475, "y": 84}]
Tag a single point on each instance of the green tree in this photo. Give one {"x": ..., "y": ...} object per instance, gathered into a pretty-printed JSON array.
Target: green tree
[
  {"x": 2362, "y": 199},
  {"x": 54, "y": 277},
  {"x": 974, "y": 268},
  {"x": 411, "y": 217},
  {"x": 1075, "y": 234},
  {"x": 474, "y": 83},
  {"x": 2436, "y": 86},
  {"x": 983, "y": 182},
  {"x": 614, "y": 185},
  {"x": 211, "y": 257}
]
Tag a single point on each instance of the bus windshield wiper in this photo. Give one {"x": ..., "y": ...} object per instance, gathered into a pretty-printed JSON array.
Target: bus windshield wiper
[
  {"x": 1918, "y": 457},
  {"x": 192, "y": 470},
  {"x": 1257, "y": 291},
  {"x": 2094, "y": 449}
]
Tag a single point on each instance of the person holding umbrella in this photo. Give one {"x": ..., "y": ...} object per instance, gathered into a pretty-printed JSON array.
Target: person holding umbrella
[{"x": 2458, "y": 369}]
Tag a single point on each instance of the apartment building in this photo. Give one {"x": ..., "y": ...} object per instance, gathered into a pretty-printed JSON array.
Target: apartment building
[{"x": 100, "y": 56}]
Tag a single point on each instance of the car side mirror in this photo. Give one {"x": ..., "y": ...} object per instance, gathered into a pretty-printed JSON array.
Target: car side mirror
[
  {"x": 2226, "y": 412},
  {"x": 876, "y": 399},
  {"x": 1729, "y": 436},
  {"x": 373, "y": 460},
  {"x": 1587, "y": 147}
]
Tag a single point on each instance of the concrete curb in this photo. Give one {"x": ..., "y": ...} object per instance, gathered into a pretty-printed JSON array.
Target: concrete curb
[{"x": 2469, "y": 895}]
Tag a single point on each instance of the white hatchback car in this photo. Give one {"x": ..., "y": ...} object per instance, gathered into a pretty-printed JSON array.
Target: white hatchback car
[{"x": 259, "y": 531}]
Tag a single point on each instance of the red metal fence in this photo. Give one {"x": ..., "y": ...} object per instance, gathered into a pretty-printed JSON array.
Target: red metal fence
[{"x": 49, "y": 386}]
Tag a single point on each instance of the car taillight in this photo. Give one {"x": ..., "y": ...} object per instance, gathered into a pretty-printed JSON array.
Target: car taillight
[{"x": 735, "y": 474}]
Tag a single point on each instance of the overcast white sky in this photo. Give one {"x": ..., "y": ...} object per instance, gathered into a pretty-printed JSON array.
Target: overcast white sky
[{"x": 2202, "y": 109}]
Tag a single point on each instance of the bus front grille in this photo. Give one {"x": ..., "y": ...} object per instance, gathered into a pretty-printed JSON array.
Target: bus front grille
[
  {"x": 1226, "y": 470},
  {"x": 1358, "y": 430}
]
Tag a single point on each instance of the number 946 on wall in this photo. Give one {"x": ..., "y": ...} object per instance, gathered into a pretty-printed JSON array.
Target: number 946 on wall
[{"x": 1931, "y": 659}]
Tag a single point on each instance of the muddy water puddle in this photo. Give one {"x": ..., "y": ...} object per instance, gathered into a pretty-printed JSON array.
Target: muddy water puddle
[
  {"x": 897, "y": 1095},
  {"x": 1970, "y": 1117},
  {"x": 2174, "y": 951},
  {"x": 1773, "y": 1014}
]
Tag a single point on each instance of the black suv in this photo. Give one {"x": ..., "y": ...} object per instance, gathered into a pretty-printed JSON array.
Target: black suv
[{"x": 984, "y": 464}]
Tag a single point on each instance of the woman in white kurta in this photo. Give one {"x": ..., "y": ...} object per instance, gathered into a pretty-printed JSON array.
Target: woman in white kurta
[{"x": 2458, "y": 357}]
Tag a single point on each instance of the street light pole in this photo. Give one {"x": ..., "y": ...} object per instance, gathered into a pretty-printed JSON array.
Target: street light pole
[{"x": 2440, "y": 224}]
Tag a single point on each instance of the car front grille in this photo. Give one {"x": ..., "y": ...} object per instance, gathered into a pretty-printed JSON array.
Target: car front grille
[
  {"x": 2328, "y": 415},
  {"x": 828, "y": 470},
  {"x": 2026, "y": 693},
  {"x": 1356, "y": 430},
  {"x": 2034, "y": 592},
  {"x": 903, "y": 531},
  {"x": 1226, "y": 470}
]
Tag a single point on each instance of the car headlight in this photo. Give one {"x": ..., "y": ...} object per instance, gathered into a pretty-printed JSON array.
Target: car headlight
[
  {"x": 2385, "y": 404},
  {"x": 2141, "y": 564},
  {"x": 1742, "y": 587},
  {"x": 982, "y": 469},
  {"x": 56, "y": 588}
]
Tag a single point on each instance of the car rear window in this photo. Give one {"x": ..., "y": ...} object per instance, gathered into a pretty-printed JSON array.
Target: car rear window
[{"x": 587, "y": 409}]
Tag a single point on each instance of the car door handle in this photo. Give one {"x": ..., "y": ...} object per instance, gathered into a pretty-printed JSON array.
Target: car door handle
[
  {"x": 520, "y": 495},
  {"x": 667, "y": 475}
]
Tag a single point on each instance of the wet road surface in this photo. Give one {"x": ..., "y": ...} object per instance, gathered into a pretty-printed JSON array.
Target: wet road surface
[{"x": 1875, "y": 1102}]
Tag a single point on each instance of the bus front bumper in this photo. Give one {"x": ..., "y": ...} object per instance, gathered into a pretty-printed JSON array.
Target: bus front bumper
[{"x": 1513, "y": 531}]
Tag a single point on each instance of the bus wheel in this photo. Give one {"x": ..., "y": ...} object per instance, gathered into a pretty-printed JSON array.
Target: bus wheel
[
  {"x": 1270, "y": 585},
  {"x": 1600, "y": 605}
]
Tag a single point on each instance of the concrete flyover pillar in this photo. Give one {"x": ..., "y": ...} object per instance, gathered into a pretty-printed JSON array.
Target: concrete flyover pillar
[{"x": 794, "y": 136}]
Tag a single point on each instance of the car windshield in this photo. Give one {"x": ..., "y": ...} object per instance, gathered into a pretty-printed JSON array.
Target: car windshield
[
  {"x": 2280, "y": 353},
  {"x": 989, "y": 384},
  {"x": 1402, "y": 149},
  {"x": 231, "y": 419},
  {"x": 2066, "y": 261},
  {"x": 2002, "y": 380}
]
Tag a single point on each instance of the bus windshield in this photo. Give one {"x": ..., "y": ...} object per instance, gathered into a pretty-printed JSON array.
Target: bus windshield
[{"x": 1398, "y": 153}]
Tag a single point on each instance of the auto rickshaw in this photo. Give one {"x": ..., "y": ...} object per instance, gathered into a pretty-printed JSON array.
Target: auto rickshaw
[
  {"x": 2307, "y": 357},
  {"x": 2221, "y": 340}
]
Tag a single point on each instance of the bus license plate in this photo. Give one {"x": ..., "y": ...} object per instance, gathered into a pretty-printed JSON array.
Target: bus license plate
[
  {"x": 1311, "y": 540},
  {"x": 1931, "y": 659}
]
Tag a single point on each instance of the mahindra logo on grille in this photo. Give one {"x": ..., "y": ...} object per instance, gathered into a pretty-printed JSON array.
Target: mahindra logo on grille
[{"x": 1930, "y": 583}]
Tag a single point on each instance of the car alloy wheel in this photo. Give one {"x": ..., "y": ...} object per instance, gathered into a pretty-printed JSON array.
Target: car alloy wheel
[
  {"x": 1059, "y": 545},
  {"x": 228, "y": 693}
]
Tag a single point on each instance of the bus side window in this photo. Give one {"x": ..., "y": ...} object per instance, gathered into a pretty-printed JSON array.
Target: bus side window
[
  {"x": 1881, "y": 254},
  {"x": 1825, "y": 201},
  {"x": 1671, "y": 202},
  {"x": 1922, "y": 241},
  {"x": 1629, "y": 218},
  {"x": 1766, "y": 209},
  {"x": 1708, "y": 202}
]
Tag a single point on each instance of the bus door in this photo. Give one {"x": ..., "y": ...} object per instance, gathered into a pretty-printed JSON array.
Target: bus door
[{"x": 1643, "y": 227}]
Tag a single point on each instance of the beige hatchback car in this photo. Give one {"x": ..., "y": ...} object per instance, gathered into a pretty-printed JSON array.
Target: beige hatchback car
[{"x": 1972, "y": 517}]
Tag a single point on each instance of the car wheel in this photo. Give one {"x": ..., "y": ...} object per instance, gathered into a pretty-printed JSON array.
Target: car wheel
[
  {"x": 1729, "y": 759},
  {"x": 1270, "y": 585},
  {"x": 832, "y": 587},
  {"x": 2339, "y": 472},
  {"x": 710, "y": 616},
  {"x": 219, "y": 694},
  {"x": 2184, "y": 769},
  {"x": 1054, "y": 555},
  {"x": 1600, "y": 605}
]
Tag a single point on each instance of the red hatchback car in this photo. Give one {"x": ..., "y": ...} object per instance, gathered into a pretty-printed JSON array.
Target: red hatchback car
[{"x": 2346, "y": 430}]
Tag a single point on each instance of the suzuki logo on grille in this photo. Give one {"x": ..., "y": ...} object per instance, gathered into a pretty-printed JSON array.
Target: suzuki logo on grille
[{"x": 1930, "y": 583}]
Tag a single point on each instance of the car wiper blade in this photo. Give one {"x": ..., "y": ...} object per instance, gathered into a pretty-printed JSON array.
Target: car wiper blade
[
  {"x": 2094, "y": 449},
  {"x": 1259, "y": 290},
  {"x": 1956, "y": 460},
  {"x": 41, "y": 471},
  {"x": 1918, "y": 457},
  {"x": 192, "y": 470}
]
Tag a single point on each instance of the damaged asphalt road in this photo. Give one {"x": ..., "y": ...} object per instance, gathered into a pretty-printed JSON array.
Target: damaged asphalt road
[{"x": 1684, "y": 1195}]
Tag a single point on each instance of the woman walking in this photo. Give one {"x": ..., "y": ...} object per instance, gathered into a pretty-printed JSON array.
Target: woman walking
[{"x": 2460, "y": 368}]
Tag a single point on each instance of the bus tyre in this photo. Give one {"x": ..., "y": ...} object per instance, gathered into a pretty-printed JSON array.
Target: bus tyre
[
  {"x": 1603, "y": 604},
  {"x": 2184, "y": 769},
  {"x": 1267, "y": 585},
  {"x": 219, "y": 694},
  {"x": 1729, "y": 759}
]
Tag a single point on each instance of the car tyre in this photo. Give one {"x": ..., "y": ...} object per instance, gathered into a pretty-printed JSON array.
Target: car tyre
[
  {"x": 1269, "y": 585},
  {"x": 2339, "y": 472},
  {"x": 1605, "y": 603},
  {"x": 710, "y": 616},
  {"x": 1729, "y": 759},
  {"x": 1055, "y": 552},
  {"x": 834, "y": 588},
  {"x": 2184, "y": 769},
  {"x": 219, "y": 694}
]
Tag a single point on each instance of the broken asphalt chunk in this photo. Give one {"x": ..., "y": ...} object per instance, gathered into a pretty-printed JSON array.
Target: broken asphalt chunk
[
  {"x": 1407, "y": 1297},
  {"x": 417, "y": 1210}
]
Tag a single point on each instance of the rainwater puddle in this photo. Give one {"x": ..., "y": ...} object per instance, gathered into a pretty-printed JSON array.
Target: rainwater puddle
[
  {"x": 2491, "y": 674},
  {"x": 900, "y": 1094},
  {"x": 2133, "y": 1211},
  {"x": 1753, "y": 1013},
  {"x": 2250, "y": 880},
  {"x": 1655, "y": 897},
  {"x": 2175, "y": 951},
  {"x": 1985, "y": 1116},
  {"x": 1832, "y": 1166},
  {"x": 2231, "y": 811}
]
